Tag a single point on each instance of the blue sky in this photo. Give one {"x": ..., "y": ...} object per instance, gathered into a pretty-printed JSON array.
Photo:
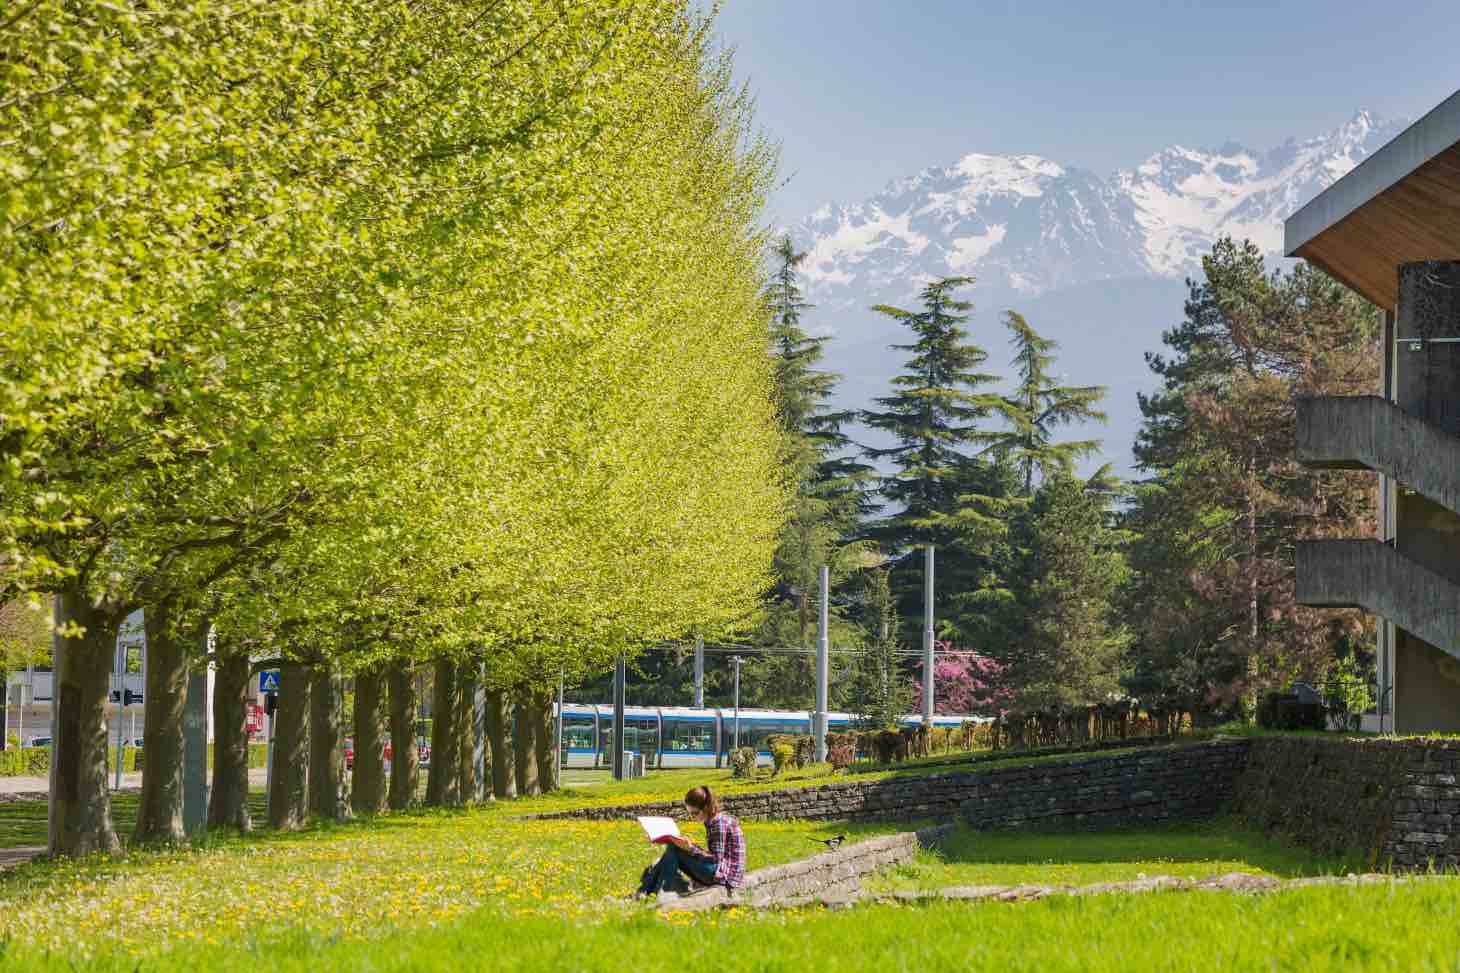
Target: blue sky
[{"x": 860, "y": 91}]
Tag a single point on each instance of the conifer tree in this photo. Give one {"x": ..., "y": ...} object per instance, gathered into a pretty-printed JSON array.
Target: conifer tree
[
  {"x": 932, "y": 417},
  {"x": 829, "y": 494},
  {"x": 1067, "y": 645},
  {"x": 879, "y": 690},
  {"x": 1038, "y": 406},
  {"x": 1212, "y": 598}
]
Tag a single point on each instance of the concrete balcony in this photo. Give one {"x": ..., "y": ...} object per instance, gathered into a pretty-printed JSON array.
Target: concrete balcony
[
  {"x": 1367, "y": 432},
  {"x": 1375, "y": 577}
]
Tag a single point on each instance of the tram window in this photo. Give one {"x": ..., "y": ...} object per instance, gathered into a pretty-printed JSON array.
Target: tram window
[
  {"x": 688, "y": 735},
  {"x": 578, "y": 733},
  {"x": 756, "y": 734}
]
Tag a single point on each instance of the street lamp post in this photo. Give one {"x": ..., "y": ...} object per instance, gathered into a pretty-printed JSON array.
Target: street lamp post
[
  {"x": 736, "y": 738},
  {"x": 928, "y": 637}
]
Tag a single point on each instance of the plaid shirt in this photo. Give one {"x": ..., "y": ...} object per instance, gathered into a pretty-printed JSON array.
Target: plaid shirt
[{"x": 727, "y": 849}]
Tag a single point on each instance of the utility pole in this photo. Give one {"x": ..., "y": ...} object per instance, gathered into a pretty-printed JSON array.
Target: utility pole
[
  {"x": 119, "y": 679},
  {"x": 558, "y": 735},
  {"x": 699, "y": 673},
  {"x": 823, "y": 665},
  {"x": 928, "y": 637},
  {"x": 620, "y": 677},
  {"x": 736, "y": 738}
]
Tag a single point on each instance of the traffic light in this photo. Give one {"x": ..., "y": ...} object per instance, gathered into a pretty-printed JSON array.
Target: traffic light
[{"x": 271, "y": 701}]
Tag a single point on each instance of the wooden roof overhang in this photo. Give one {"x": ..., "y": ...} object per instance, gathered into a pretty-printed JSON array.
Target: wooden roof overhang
[{"x": 1400, "y": 205}]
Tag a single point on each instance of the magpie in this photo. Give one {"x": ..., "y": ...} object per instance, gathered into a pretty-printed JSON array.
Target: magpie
[{"x": 832, "y": 842}]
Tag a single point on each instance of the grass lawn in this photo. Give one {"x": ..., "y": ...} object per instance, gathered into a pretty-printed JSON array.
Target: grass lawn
[
  {"x": 483, "y": 890},
  {"x": 412, "y": 870},
  {"x": 971, "y": 857}
]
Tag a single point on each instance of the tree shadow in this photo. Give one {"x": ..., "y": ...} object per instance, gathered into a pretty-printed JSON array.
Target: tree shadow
[{"x": 1219, "y": 841}]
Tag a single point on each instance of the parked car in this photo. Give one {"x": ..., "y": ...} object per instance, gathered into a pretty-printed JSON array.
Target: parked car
[
  {"x": 39, "y": 742},
  {"x": 349, "y": 753}
]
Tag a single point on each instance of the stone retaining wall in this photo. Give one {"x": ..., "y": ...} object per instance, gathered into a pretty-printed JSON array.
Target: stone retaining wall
[
  {"x": 1381, "y": 801},
  {"x": 1167, "y": 783}
]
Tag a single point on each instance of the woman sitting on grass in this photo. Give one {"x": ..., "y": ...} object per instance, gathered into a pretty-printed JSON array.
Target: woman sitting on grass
[{"x": 723, "y": 863}]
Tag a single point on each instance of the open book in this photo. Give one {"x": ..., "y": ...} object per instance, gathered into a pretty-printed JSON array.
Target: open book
[{"x": 659, "y": 830}]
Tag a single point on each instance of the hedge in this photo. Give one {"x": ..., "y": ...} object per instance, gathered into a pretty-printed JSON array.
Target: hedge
[
  {"x": 30, "y": 762},
  {"x": 36, "y": 761}
]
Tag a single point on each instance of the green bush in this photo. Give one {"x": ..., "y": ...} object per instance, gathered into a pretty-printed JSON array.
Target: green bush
[
  {"x": 742, "y": 762},
  {"x": 783, "y": 755},
  {"x": 30, "y": 762}
]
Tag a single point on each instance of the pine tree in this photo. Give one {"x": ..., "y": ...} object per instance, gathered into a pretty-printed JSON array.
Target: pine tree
[
  {"x": 932, "y": 418},
  {"x": 1038, "y": 406},
  {"x": 1213, "y": 594},
  {"x": 1063, "y": 583},
  {"x": 829, "y": 494},
  {"x": 879, "y": 688}
]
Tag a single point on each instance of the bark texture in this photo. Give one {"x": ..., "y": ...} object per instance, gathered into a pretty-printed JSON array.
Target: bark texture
[
  {"x": 80, "y": 819},
  {"x": 443, "y": 782},
  {"x": 524, "y": 745},
  {"x": 545, "y": 740},
  {"x": 469, "y": 683},
  {"x": 367, "y": 783},
  {"x": 504, "y": 779},
  {"x": 228, "y": 801},
  {"x": 327, "y": 746},
  {"x": 289, "y": 792},
  {"x": 160, "y": 811},
  {"x": 404, "y": 760}
]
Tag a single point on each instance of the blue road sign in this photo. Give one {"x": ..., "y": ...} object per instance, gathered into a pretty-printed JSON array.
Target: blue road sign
[{"x": 269, "y": 681}]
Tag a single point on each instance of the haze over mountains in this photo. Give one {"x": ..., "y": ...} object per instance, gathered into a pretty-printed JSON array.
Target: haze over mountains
[{"x": 1097, "y": 263}]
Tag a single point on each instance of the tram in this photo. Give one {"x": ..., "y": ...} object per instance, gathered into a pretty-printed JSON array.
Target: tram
[{"x": 679, "y": 736}]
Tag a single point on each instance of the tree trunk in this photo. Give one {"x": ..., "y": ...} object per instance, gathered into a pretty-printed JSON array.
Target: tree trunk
[
  {"x": 541, "y": 715},
  {"x": 228, "y": 803},
  {"x": 468, "y": 684},
  {"x": 160, "y": 811},
  {"x": 289, "y": 792},
  {"x": 367, "y": 791},
  {"x": 525, "y": 745},
  {"x": 404, "y": 760},
  {"x": 504, "y": 784},
  {"x": 326, "y": 746},
  {"x": 80, "y": 819},
  {"x": 443, "y": 783}
]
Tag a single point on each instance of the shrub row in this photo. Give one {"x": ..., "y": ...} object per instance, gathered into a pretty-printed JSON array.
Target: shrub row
[{"x": 36, "y": 761}]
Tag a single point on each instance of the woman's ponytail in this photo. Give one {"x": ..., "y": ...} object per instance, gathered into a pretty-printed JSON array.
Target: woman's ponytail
[{"x": 704, "y": 800}]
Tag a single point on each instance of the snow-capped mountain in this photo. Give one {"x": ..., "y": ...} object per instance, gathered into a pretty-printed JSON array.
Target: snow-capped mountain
[
  {"x": 1096, "y": 263},
  {"x": 1031, "y": 225}
]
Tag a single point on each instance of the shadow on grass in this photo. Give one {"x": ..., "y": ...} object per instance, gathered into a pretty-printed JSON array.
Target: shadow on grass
[{"x": 1220, "y": 842}]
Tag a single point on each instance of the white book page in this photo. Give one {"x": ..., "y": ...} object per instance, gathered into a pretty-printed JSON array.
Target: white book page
[{"x": 658, "y": 829}]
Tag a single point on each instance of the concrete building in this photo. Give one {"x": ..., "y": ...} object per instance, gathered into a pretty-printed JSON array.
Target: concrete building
[{"x": 1390, "y": 230}]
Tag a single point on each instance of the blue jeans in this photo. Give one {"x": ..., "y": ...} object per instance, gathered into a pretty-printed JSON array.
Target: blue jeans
[{"x": 664, "y": 875}]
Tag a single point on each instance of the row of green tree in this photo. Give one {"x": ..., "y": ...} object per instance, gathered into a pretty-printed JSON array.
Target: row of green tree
[{"x": 359, "y": 338}]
